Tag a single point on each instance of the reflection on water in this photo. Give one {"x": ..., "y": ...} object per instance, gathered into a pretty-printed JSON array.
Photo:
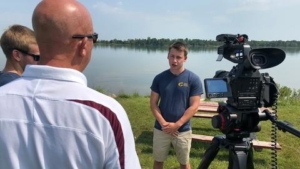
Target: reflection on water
[
  {"x": 155, "y": 49},
  {"x": 194, "y": 49},
  {"x": 131, "y": 70}
]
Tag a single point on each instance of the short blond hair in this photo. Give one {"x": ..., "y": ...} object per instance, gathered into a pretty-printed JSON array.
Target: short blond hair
[{"x": 17, "y": 36}]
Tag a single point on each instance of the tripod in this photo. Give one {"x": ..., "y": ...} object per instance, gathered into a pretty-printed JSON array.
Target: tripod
[
  {"x": 240, "y": 144},
  {"x": 240, "y": 152}
]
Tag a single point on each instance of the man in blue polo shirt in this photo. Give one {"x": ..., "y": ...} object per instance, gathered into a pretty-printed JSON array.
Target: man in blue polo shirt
[{"x": 174, "y": 99}]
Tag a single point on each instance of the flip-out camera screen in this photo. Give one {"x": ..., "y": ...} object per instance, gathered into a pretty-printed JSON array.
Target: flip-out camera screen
[{"x": 217, "y": 88}]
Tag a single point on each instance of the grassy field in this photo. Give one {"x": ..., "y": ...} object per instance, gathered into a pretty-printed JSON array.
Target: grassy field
[{"x": 142, "y": 123}]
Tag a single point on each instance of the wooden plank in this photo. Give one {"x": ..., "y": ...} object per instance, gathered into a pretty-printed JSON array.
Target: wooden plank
[
  {"x": 208, "y": 106},
  {"x": 213, "y": 107},
  {"x": 265, "y": 144},
  {"x": 213, "y": 104},
  {"x": 202, "y": 115},
  {"x": 256, "y": 143},
  {"x": 202, "y": 138},
  {"x": 207, "y": 109}
]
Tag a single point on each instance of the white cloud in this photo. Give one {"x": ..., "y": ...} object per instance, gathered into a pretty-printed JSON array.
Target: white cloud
[
  {"x": 120, "y": 3},
  {"x": 119, "y": 11},
  {"x": 108, "y": 9},
  {"x": 220, "y": 19},
  {"x": 251, "y": 5},
  {"x": 261, "y": 5}
]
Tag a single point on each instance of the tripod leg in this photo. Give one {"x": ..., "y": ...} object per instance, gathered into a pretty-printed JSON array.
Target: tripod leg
[
  {"x": 250, "y": 159},
  {"x": 237, "y": 160},
  {"x": 241, "y": 159},
  {"x": 210, "y": 154}
]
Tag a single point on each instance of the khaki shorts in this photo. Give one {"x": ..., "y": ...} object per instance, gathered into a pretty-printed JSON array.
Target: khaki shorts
[{"x": 181, "y": 144}]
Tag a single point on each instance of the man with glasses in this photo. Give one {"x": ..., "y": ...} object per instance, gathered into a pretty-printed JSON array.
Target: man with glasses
[
  {"x": 49, "y": 117},
  {"x": 20, "y": 48}
]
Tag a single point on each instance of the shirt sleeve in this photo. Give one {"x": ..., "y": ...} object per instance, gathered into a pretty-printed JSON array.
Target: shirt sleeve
[
  {"x": 155, "y": 87},
  {"x": 196, "y": 86}
]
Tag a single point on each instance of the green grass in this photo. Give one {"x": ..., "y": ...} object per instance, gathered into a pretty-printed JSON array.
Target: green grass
[{"x": 142, "y": 123}]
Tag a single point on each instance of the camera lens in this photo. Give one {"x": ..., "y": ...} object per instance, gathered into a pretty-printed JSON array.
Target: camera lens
[{"x": 258, "y": 59}]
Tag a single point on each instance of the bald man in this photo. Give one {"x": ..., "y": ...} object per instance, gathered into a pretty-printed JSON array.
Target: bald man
[{"x": 56, "y": 121}]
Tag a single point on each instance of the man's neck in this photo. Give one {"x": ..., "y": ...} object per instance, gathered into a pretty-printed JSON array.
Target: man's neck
[
  {"x": 13, "y": 68},
  {"x": 177, "y": 72}
]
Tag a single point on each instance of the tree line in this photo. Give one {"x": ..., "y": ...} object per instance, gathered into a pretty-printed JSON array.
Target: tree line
[
  {"x": 288, "y": 96},
  {"x": 193, "y": 43}
]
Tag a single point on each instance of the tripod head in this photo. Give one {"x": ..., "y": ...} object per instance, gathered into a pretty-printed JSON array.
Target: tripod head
[
  {"x": 236, "y": 124},
  {"x": 237, "y": 141}
]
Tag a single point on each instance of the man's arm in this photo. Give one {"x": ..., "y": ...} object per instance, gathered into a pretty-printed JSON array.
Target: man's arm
[
  {"x": 190, "y": 112},
  {"x": 154, "y": 98}
]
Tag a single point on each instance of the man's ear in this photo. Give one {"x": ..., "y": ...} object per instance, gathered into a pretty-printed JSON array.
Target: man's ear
[
  {"x": 16, "y": 55},
  {"x": 83, "y": 47}
]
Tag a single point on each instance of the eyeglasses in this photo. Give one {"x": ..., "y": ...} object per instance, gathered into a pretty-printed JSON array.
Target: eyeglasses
[
  {"x": 35, "y": 57},
  {"x": 93, "y": 36}
]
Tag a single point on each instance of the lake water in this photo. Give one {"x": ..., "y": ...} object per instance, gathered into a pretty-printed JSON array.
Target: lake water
[{"x": 132, "y": 70}]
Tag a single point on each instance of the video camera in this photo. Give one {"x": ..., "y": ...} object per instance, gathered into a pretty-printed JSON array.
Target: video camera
[{"x": 245, "y": 88}]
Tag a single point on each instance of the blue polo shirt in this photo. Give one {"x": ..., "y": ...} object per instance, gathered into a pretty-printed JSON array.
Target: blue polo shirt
[
  {"x": 175, "y": 92},
  {"x": 6, "y": 77}
]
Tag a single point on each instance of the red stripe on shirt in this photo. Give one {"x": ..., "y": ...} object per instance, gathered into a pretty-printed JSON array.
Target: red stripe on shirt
[{"x": 114, "y": 123}]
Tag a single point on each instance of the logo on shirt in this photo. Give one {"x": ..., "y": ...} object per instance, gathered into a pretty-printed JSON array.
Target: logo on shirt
[{"x": 183, "y": 84}]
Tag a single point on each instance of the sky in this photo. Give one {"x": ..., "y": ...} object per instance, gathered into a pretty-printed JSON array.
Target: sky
[{"x": 174, "y": 19}]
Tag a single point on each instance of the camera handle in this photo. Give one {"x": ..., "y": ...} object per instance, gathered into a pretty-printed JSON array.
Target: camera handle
[
  {"x": 281, "y": 125},
  {"x": 240, "y": 153}
]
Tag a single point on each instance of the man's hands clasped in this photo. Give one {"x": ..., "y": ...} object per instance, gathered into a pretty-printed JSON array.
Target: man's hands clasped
[{"x": 171, "y": 128}]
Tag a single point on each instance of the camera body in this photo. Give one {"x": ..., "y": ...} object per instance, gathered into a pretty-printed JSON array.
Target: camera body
[
  {"x": 248, "y": 90},
  {"x": 245, "y": 88}
]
